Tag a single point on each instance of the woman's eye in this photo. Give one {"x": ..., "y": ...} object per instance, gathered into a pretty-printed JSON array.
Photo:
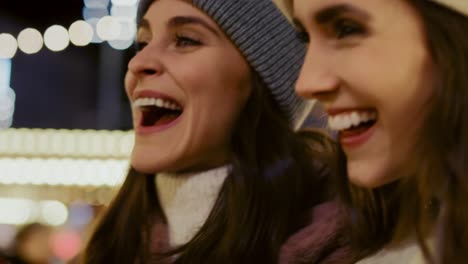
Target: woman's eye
[
  {"x": 140, "y": 45},
  {"x": 303, "y": 37},
  {"x": 345, "y": 28},
  {"x": 183, "y": 41}
]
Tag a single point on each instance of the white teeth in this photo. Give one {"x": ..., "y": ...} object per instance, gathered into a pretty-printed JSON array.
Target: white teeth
[
  {"x": 355, "y": 119},
  {"x": 350, "y": 119},
  {"x": 159, "y": 102},
  {"x": 142, "y": 102}
]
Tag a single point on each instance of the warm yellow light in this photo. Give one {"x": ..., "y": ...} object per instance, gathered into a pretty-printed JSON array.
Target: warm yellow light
[
  {"x": 81, "y": 33},
  {"x": 30, "y": 41},
  {"x": 54, "y": 213},
  {"x": 62, "y": 172},
  {"x": 66, "y": 143},
  {"x": 8, "y": 46},
  {"x": 16, "y": 211},
  {"x": 56, "y": 38}
]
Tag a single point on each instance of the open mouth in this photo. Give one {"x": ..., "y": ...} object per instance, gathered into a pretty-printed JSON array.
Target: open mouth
[
  {"x": 157, "y": 112},
  {"x": 353, "y": 123}
]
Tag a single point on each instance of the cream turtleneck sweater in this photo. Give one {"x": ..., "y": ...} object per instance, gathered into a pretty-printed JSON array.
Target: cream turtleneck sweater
[
  {"x": 406, "y": 253},
  {"x": 187, "y": 200}
]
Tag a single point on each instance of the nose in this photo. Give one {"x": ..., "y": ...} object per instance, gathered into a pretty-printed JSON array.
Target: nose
[
  {"x": 318, "y": 78},
  {"x": 146, "y": 63}
]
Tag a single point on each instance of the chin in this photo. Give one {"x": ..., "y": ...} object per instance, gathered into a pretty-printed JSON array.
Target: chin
[
  {"x": 148, "y": 164},
  {"x": 144, "y": 167},
  {"x": 364, "y": 182},
  {"x": 368, "y": 177}
]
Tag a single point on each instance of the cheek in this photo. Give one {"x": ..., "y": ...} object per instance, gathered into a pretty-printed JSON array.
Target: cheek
[
  {"x": 361, "y": 69},
  {"x": 217, "y": 94},
  {"x": 215, "y": 79},
  {"x": 216, "y": 106},
  {"x": 404, "y": 94},
  {"x": 130, "y": 83}
]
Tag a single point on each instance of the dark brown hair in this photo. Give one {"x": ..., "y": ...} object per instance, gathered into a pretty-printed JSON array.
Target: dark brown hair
[
  {"x": 431, "y": 200},
  {"x": 276, "y": 176}
]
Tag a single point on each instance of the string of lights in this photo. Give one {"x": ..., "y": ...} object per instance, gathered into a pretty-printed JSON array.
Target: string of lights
[
  {"x": 64, "y": 158},
  {"x": 104, "y": 21},
  {"x": 62, "y": 143},
  {"x": 62, "y": 172}
]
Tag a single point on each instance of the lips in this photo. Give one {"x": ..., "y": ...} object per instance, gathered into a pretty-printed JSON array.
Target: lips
[
  {"x": 157, "y": 111},
  {"x": 355, "y": 127}
]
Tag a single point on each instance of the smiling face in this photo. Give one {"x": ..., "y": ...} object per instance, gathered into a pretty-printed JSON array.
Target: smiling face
[
  {"x": 368, "y": 64},
  {"x": 187, "y": 84}
]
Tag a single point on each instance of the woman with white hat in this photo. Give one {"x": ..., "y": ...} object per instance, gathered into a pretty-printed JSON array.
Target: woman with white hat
[{"x": 393, "y": 77}]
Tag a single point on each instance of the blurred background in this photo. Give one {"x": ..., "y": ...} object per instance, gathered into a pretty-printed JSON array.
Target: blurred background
[{"x": 65, "y": 122}]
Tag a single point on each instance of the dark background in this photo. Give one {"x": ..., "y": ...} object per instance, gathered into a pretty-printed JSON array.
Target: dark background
[{"x": 77, "y": 88}]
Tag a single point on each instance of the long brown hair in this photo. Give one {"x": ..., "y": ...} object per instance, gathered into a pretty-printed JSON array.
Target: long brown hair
[
  {"x": 431, "y": 200},
  {"x": 276, "y": 176}
]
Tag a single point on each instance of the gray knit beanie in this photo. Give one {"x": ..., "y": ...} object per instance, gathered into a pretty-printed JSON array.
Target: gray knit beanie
[{"x": 268, "y": 42}]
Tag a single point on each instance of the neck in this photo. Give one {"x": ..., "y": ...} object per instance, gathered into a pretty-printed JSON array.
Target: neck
[{"x": 187, "y": 200}]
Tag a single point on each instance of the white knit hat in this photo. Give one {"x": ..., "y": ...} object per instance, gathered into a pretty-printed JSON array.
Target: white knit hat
[{"x": 460, "y": 6}]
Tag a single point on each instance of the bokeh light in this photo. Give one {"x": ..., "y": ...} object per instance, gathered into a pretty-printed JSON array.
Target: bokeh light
[
  {"x": 7, "y": 95},
  {"x": 66, "y": 244},
  {"x": 120, "y": 44},
  {"x": 8, "y": 46},
  {"x": 81, "y": 33},
  {"x": 7, "y": 108},
  {"x": 53, "y": 172},
  {"x": 96, "y": 3},
  {"x": 15, "y": 211},
  {"x": 54, "y": 213},
  {"x": 93, "y": 22},
  {"x": 124, "y": 11},
  {"x": 108, "y": 28},
  {"x": 89, "y": 13},
  {"x": 30, "y": 41},
  {"x": 5, "y": 75},
  {"x": 124, "y": 2},
  {"x": 56, "y": 38},
  {"x": 128, "y": 29},
  {"x": 80, "y": 215}
]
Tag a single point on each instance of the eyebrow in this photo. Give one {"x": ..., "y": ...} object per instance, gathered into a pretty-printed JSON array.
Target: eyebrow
[
  {"x": 187, "y": 20},
  {"x": 330, "y": 13},
  {"x": 180, "y": 21}
]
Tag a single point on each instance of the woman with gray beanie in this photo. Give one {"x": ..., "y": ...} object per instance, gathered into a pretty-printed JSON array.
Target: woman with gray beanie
[{"x": 218, "y": 174}]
